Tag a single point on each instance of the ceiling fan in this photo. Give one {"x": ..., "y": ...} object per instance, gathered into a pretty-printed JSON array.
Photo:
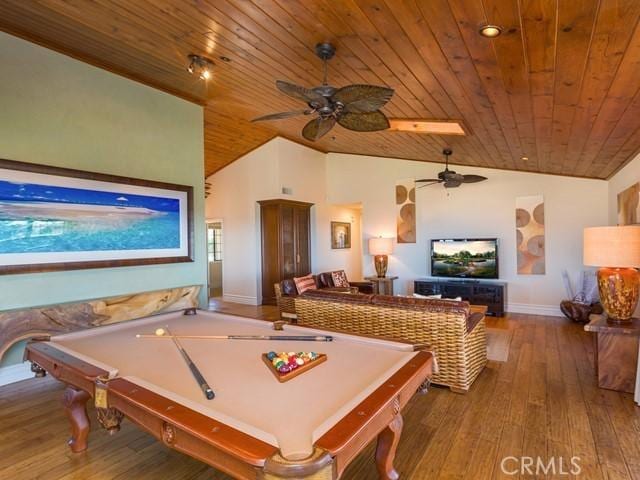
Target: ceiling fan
[
  {"x": 449, "y": 178},
  {"x": 354, "y": 107}
]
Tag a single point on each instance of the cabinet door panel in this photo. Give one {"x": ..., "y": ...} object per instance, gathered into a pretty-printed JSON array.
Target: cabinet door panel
[
  {"x": 303, "y": 266},
  {"x": 452, "y": 290},
  {"x": 288, "y": 241},
  {"x": 270, "y": 252}
]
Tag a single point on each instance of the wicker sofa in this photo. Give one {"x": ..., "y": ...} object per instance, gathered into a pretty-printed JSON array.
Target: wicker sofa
[
  {"x": 286, "y": 292},
  {"x": 453, "y": 330}
]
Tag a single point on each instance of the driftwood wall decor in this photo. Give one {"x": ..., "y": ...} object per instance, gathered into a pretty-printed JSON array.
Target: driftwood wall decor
[
  {"x": 406, "y": 209},
  {"x": 629, "y": 205},
  {"x": 530, "y": 235},
  {"x": 18, "y": 325}
]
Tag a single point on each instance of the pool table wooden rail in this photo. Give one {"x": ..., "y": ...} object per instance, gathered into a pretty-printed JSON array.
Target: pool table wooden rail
[{"x": 224, "y": 447}]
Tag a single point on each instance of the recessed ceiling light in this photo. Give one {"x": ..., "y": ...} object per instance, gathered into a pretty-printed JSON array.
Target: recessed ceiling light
[
  {"x": 438, "y": 127},
  {"x": 524, "y": 158},
  {"x": 200, "y": 66},
  {"x": 490, "y": 31},
  {"x": 225, "y": 59}
]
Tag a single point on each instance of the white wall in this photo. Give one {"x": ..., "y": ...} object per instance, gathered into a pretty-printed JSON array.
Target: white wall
[
  {"x": 326, "y": 259},
  {"x": 626, "y": 177},
  {"x": 234, "y": 192},
  {"x": 475, "y": 210},
  {"x": 261, "y": 175}
]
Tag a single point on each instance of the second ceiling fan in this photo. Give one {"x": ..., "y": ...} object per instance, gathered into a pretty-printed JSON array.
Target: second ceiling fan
[{"x": 449, "y": 178}]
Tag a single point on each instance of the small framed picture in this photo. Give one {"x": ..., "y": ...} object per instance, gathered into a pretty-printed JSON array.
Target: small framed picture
[{"x": 340, "y": 235}]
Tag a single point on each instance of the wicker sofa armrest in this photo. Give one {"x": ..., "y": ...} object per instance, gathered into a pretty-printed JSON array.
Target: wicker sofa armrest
[
  {"x": 473, "y": 320},
  {"x": 286, "y": 303}
]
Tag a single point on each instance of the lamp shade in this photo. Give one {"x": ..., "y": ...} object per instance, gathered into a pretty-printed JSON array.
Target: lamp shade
[
  {"x": 612, "y": 246},
  {"x": 380, "y": 246}
]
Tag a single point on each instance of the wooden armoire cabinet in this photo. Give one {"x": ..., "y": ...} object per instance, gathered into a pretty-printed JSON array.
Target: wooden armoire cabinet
[{"x": 286, "y": 243}]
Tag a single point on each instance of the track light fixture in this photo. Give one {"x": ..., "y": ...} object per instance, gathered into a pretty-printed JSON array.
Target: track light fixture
[{"x": 200, "y": 66}]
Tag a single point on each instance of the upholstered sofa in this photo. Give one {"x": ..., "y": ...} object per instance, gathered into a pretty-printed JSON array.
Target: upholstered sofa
[
  {"x": 454, "y": 330},
  {"x": 286, "y": 291}
]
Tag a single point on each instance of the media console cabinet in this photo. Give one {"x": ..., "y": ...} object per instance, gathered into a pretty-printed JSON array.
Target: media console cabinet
[{"x": 476, "y": 292}]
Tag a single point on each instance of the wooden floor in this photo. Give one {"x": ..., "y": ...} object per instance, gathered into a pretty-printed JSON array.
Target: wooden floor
[{"x": 542, "y": 402}]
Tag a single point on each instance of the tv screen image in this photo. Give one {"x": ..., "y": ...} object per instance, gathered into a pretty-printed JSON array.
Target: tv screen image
[{"x": 466, "y": 258}]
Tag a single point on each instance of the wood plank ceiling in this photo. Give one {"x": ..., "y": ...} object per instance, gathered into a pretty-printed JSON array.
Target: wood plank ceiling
[{"x": 560, "y": 86}]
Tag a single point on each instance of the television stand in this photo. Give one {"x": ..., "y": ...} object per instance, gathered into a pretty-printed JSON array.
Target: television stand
[{"x": 476, "y": 292}]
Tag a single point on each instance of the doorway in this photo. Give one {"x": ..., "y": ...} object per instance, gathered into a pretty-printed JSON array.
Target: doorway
[{"x": 214, "y": 255}]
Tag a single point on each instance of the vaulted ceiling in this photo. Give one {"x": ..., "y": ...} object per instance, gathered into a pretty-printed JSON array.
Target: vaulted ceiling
[{"x": 560, "y": 86}]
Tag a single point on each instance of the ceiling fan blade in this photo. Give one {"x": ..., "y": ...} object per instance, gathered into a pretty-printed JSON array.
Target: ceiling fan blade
[
  {"x": 427, "y": 180},
  {"x": 362, "y": 98},
  {"x": 301, "y": 93},
  {"x": 364, "y": 122},
  {"x": 473, "y": 178},
  {"x": 278, "y": 116},
  {"x": 429, "y": 184},
  {"x": 317, "y": 128}
]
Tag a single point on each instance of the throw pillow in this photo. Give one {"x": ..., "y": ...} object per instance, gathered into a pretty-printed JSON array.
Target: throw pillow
[
  {"x": 432, "y": 297},
  {"x": 437, "y": 297},
  {"x": 305, "y": 283},
  {"x": 340, "y": 279}
]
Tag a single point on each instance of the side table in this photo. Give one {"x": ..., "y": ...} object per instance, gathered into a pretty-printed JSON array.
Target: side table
[
  {"x": 616, "y": 352},
  {"x": 382, "y": 285}
]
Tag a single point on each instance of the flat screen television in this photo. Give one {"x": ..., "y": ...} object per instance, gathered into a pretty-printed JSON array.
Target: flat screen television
[{"x": 464, "y": 258}]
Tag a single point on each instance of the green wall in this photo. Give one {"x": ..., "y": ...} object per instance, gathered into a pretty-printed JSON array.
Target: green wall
[{"x": 55, "y": 110}]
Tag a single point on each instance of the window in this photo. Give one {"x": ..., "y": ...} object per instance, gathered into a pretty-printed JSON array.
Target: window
[{"x": 214, "y": 242}]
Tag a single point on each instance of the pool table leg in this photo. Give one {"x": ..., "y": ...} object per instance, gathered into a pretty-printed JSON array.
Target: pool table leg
[
  {"x": 75, "y": 405},
  {"x": 386, "y": 448}
]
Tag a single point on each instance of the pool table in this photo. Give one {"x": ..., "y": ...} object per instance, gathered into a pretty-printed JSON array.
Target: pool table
[{"x": 309, "y": 427}]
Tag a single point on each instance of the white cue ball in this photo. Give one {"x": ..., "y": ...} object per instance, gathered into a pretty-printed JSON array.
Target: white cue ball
[{"x": 160, "y": 332}]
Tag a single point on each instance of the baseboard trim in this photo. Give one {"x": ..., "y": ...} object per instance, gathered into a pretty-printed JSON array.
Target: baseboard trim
[
  {"x": 533, "y": 309},
  {"x": 245, "y": 299},
  {"x": 15, "y": 373}
]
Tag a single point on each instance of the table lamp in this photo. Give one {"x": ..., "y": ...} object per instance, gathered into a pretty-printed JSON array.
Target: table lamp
[
  {"x": 616, "y": 250},
  {"x": 380, "y": 247}
]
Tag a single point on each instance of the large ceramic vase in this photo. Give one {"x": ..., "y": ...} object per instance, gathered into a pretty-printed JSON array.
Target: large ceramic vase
[
  {"x": 619, "y": 289},
  {"x": 381, "y": 262}
]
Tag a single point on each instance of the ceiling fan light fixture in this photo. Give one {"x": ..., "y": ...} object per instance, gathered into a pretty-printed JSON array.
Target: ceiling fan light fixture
[
  {"x": 436, "y": 127},
  {"x": 490, "y": 31},
  {"x": 200, "y": 66}
]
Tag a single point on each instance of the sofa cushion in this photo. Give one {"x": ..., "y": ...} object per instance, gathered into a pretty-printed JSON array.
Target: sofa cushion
[
  {"x": 422, "y": 304},
  {"x": 325, "y": 280},
  {"x": 289, "y": 287},
  {"x": 330, "y": 295},
  {"x": 340, "y": 279},
  {"x": 305, "y": 283}
]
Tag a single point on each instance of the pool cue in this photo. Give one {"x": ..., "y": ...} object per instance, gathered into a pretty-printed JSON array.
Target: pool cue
[
  {"x": 206, "y": 389},
  {"x": 299, "y": 338}
]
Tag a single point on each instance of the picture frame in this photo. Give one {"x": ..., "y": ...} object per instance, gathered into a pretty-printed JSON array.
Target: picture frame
[
  {"x": 629, "y": 205},
  {"x": 54, "y": 218},
  {"x": 340, "y": 235}
]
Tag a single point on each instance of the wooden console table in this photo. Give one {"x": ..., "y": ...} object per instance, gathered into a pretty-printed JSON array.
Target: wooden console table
[
  {"x": 492, "y": 294},
  {"x": 382, "y": 285},
  {"x": 616, "y": 352}
]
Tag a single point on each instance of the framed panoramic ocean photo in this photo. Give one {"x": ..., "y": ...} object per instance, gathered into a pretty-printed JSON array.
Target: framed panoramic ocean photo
[{"x": 60, "y": 219}]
